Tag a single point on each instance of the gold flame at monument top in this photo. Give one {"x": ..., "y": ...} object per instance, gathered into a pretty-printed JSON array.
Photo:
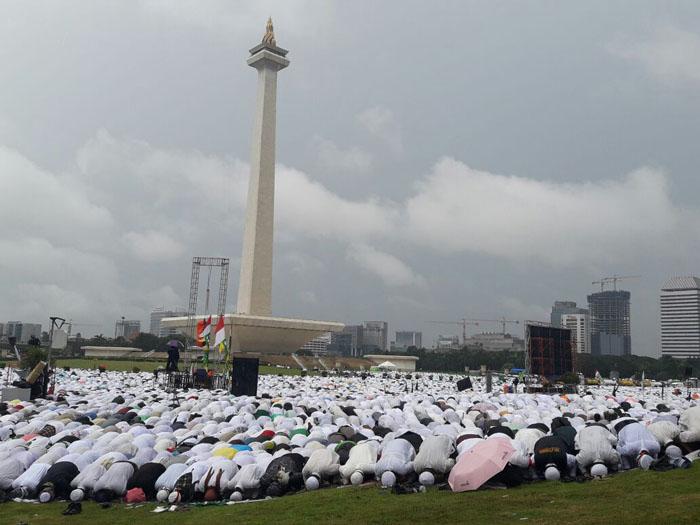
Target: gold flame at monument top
[{"x": 269, "y": 38}]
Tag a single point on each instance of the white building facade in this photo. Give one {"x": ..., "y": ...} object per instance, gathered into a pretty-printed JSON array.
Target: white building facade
[
  {"x": 318, "y": 345},
  {"x": 579, "y": 324},
  {"x": 680, "y": 317},
  {"x": 496, "y": 342},
  {"x": 158, "y": 314}
]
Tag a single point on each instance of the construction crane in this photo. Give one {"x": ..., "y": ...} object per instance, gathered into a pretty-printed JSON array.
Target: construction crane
[
  {"x": 463, "y": 323},
  {"x": 503, "y": 321},
  {"x": 613, "y": 279}
]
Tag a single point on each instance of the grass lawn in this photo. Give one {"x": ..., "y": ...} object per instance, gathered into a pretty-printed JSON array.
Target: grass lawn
[
  {"x": 150, "y": 366},
  {"x": 633, "y": 497}
]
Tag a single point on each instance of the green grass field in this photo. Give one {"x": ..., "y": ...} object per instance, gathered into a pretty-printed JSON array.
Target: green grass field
[
  {"x": 634, "y": 497},
  {"x": 150, "y": 366}
]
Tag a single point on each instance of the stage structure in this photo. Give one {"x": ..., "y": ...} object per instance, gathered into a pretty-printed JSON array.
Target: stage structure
[
  {"x": 548, "y": 350},
  {"x": 222, "y": 263}
]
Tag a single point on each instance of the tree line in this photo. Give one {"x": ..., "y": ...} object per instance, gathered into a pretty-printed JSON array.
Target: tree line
[{"x": 456, "y": 361}]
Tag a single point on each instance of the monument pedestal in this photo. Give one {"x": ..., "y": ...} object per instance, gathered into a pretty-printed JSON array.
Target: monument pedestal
[{"x": 261, "y": 334}]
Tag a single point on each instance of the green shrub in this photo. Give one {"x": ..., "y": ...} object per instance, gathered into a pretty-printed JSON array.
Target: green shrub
[
  {"x": 569, "y": 378},
  {"x": 31, "y": 357}
]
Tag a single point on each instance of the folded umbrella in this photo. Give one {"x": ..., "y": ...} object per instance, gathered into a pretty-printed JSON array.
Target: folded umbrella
[{"x": 480, "y": 463}]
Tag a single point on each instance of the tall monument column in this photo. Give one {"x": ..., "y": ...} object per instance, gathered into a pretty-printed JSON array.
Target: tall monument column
[
  {"x": 251, "y": 328},
  {"x": 255, "y": 284}
]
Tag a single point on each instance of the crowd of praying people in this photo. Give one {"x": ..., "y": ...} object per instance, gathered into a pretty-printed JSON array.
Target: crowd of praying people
[{"x": 121, "y": 436}]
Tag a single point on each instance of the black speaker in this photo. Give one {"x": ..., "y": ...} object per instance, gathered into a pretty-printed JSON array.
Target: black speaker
[
  {"x": 688, "y": 371},
  {"x": 244, "y": 376},
  {"x": 464, "y": 384}
]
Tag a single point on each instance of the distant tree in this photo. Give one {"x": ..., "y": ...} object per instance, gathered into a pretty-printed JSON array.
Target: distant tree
[
  {"x": 32, "y": 356},
  {"x": 145, "y": 342},
  {"x": 570, "y": 378}
]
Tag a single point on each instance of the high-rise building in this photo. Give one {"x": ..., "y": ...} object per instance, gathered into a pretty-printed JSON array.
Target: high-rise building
[
  {"x": 680, "y": 317},
  {"x": 564, "y": 307},
  {"x": 128, "y": 329},
  {"x": 610, "y": 322},
  {"x": 22, "y": 331},
  {"x": 341, "y": 344},
  {"x": 579, "y": 324},
  {"x": 375, "y": 336},
  {"x": 158, "y": 314},
  {"x": 318, "y": 345},
  {"x": 348, "y": 342},
  {"x": 406, "y": 339}
]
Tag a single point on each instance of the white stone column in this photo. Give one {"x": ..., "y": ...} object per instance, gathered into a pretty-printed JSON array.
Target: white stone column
[{"x": 255, "y": 285}]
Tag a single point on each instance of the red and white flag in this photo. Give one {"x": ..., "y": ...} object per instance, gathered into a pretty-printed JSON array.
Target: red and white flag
[
  {"x": 203, "y": 331},
  {"x": 220, "y": 334}
]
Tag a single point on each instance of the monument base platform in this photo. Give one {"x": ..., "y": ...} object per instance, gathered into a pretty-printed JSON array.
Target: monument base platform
[{"x": 261, "y": 334}]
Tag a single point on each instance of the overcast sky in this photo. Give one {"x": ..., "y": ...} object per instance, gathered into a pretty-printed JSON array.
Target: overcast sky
[{"x": 435, "y": 160}]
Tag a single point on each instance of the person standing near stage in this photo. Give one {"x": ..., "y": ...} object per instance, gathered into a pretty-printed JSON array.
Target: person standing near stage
[{"x": 173, "y": 356}]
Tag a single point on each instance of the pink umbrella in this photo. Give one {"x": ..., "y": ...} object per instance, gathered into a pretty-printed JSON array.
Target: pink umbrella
[{"x": 480, "y": 463}]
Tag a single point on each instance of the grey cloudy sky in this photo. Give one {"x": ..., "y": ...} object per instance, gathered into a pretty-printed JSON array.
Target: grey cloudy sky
[{"x": 436, "y": 160}]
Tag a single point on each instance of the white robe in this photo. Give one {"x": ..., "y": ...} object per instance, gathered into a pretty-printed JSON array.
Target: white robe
[
  {"x": 324, "y": 463},
  {"x": 362, "y": 458},
  {"x": 664, "y": 431},
  {"x": 529, "y": 436},
  {"x": 31, "y": 477},
  {"x": 88, "y": 477},
  {"x": 596, "y": 444},
  {"x": 116, "y": 478},
  {"x": 633, "y": 439},
  {"x": 397, "y": 457},
  {"x": 248, "y": 477},
  {"x": 689, "y": 424},
  {"x": 434, "y": 454},
  {"x": 10, "y": 469},
  {"x": 168, "y": 478}
]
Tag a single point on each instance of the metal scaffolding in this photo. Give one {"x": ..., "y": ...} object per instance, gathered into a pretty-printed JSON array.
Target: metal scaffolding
[{"x": 209, "y": 262}]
